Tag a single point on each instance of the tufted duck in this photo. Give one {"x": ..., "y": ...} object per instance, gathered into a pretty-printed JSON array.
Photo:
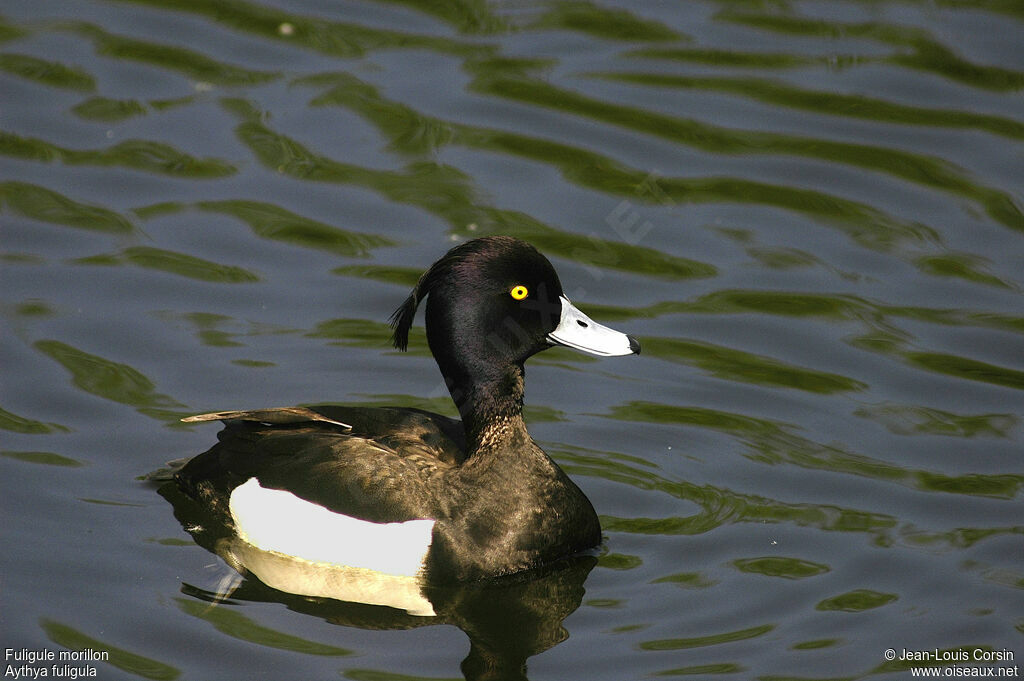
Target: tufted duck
[{"x": 405, "y": 492}]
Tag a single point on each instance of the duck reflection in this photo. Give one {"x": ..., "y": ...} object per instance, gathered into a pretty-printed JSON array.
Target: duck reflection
[{"x": 507, "y": 619}]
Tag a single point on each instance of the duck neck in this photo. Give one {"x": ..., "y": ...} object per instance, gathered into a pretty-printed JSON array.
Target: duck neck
[{"x": 491, "y": 407}]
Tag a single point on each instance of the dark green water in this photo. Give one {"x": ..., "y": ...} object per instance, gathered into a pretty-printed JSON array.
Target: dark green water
[{"x": 810, "y": 213}]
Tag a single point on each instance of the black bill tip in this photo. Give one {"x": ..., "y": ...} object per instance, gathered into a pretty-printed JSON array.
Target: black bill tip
[{"x": 634, "y": 344}]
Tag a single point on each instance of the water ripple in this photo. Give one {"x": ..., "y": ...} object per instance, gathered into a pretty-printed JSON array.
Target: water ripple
[
  {"x": 149, "y": 156},
  {"x": 926, "y": 53},
  {"x": 42, "y": 204},
  {"x": 779, "y": 93}
]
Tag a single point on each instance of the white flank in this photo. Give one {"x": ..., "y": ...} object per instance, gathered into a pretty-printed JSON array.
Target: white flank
[
  {"x": 279, "y": 521},
  {"x": 320, "y": 580}
]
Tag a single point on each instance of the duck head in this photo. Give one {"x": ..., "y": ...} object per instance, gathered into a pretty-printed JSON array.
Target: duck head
[{"x": 491, "y": 304}]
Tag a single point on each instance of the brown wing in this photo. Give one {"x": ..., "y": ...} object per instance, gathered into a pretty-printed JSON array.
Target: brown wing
[{"x": 377, "y": 464}]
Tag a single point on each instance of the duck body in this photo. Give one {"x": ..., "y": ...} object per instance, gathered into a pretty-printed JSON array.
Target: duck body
[
  {"x": 508, "y": 508},
  {"x": 404, "y": 491}
]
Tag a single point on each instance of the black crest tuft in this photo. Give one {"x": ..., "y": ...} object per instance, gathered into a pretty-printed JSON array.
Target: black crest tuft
[
  {"x": 401, "y": 319},
  {"x": 464, "y": 256}
]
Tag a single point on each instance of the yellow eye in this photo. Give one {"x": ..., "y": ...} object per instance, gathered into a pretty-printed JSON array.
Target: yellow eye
[{"x": 519, "y": 292}]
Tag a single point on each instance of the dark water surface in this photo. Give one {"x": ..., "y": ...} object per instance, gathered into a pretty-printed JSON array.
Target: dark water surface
[{"x": 810, "y": 213}]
